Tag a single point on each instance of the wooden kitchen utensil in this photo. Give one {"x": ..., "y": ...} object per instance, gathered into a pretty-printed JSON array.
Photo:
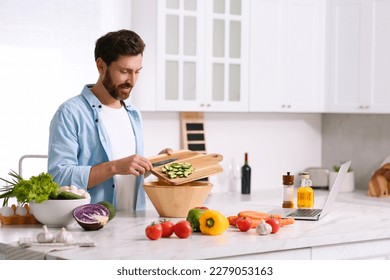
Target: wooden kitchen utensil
[
  {"x": 179, "y": 155},
  {"x": 204, "y": 165}
]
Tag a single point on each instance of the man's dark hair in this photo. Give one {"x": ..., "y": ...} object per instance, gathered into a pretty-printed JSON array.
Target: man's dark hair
[{"x": 122, "y": 42}]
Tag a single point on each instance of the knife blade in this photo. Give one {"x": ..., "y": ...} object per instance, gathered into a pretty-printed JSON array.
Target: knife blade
[{"x": 162, "y": 162}]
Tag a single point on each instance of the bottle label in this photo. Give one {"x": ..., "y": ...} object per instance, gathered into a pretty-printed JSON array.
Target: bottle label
[{"x": 305, "y": 197}]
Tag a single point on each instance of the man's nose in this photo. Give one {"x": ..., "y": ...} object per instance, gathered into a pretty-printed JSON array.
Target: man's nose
[{"x": 131, "y": 79}]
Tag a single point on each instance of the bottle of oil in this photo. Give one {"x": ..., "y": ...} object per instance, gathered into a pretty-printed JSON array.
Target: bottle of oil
[
  {"x": 305, "y": 194},
  {"x": 288, "y": 191}
]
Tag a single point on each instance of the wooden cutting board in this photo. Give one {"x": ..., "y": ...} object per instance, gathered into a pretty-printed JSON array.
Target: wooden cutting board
[{"x": 205, "y": 165}]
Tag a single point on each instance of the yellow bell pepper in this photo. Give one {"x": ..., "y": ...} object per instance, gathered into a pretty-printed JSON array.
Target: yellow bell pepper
[{"x": 213, "y": 222}]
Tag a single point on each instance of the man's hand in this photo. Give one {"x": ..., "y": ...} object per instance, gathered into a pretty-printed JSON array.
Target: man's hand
[
  {"x": 135, "y": 165},
  {"x": 167, "y": 151}
]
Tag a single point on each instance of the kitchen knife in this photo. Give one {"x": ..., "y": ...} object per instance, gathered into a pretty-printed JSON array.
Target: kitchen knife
[{"x": 159, "y": 163}]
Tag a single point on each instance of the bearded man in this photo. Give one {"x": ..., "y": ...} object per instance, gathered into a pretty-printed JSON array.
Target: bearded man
[{"x": 96, "y": 139}]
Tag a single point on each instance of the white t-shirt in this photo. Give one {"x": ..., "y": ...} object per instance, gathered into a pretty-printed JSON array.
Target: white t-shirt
[{"x": 121, "y": 134}]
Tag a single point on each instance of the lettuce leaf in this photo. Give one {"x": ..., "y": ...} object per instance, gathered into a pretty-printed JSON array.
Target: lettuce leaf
[{"x": 37, "y": 188}]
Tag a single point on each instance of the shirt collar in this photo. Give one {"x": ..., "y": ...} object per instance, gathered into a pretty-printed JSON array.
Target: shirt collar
[{"x": 94, "y": 102}]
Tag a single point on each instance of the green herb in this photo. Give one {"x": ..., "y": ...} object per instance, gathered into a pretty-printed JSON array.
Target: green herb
[
  {"x": 38, "y": 188},
  {"x": 336, "y": 168}
]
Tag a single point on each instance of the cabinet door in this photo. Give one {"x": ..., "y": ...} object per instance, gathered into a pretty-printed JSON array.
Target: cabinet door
[
  {"x": 267, "y": 61},
  {"x": 347, "y": 43},
  {"x": 380, "y": 55},
  {"x": 359, "y": 56},
  {"x": 201, "y": 55},
  {"x": 179, "y": 55},
  {"x": 287, "y": 55},
  {"x": 144, "y": 22},
  {"x": 305, "y": 55},
  {"x": 226, "y": 55}
]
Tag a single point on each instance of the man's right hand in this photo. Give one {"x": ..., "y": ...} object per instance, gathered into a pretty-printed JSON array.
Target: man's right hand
[{"x": 135, "y": 165}]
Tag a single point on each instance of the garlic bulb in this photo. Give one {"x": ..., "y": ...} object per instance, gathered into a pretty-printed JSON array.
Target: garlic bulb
[
  {"x": 64, "y": 236},
  {"x": 263, "y": 228},
  {"x": 45, "y": 236}
]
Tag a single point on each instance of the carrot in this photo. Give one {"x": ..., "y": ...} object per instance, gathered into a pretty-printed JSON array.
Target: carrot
[
  {"x": 254, "y": 215},
  {"x": 277, "y": 216},
  {"x": 287, "y": 221},
  {"x": 256, "y": 222},
  {"x": 257, "y": 217},
  {"x": 232, "y": 220}
]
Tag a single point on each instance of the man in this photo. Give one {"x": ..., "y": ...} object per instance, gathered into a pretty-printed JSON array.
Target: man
[{"x": 96, "y": 139}]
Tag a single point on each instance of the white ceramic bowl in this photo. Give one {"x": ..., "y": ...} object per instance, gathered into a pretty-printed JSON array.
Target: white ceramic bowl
[{"x": 56, "y": 213}]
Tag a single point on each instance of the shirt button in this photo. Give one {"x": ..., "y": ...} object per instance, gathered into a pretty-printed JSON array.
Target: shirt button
[
  {"x": 100, "y": 106},
  {"x": 96, "y": 120},
  {"x": 113, "y": 186}
]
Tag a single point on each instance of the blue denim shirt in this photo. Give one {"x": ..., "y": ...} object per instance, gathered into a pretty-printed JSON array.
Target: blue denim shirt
[{"x": 78, "y": 140}]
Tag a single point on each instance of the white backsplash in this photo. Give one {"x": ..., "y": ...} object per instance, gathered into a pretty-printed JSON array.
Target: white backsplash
[{"x": 276, "y": 143}]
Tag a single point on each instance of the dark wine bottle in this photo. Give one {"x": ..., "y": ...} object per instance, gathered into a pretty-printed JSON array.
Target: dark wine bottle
[{"x": 246, "y": 177}]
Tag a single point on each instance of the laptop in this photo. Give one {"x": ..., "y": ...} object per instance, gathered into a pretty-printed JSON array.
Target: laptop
[{"x": 313, "y": 214}]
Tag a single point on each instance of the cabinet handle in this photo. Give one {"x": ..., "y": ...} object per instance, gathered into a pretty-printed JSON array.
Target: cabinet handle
[
  {"x": 361, "y": 107},
  {"x": 201, "y": 104},
  {"x": 208, "y": 105},
  {"x": 289, "y": 106},
  {"x": 367, "y": 107},
  {"x": 283, "y": 106}
]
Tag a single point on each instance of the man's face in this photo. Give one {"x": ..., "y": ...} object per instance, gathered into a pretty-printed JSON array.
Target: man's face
[{"x": 121, "y": 76}]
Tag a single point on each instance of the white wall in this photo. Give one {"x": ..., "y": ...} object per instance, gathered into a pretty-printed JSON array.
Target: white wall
[
  {"x": 276, "y": 143},
  {"x": 46, "y": 56}
]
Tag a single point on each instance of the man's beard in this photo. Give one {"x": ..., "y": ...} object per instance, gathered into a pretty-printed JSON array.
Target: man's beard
[{"x": 116, "y": 91}]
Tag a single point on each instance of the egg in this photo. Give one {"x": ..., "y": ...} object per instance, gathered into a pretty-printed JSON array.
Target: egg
[
  {"x": 7, "y": 211},
  {"x": 87, "y": 195},
  {"x": 80, "y": 191},
  {"x": 21, "y": 211},
  {"x": 64, "y": 188}
]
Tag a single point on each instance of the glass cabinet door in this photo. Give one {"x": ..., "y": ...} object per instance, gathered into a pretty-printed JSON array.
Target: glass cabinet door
[
  {"x": 225, "y": 57},
  {"x": 181, "y": 49},
  {"x": 202, "y": 57}
]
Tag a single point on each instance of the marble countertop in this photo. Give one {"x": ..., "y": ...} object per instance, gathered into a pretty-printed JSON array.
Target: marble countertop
[{"x": 355, "y": 218}]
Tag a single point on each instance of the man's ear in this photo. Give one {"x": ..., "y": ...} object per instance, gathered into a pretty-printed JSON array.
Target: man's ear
[{"x": 101, "y": 65}]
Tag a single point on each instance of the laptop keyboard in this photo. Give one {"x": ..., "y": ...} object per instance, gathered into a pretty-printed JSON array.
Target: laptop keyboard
[{"x": 305, "y": 213}]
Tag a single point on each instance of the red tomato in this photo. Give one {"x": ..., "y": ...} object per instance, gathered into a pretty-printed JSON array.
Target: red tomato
[
  {"x": 182, "y": 229},
  {"x": 153, "y": 231},
  {"x": 167, "y": 227},
  {"x": 274, "y": 223},
  {"x": 244, "y": 223}
]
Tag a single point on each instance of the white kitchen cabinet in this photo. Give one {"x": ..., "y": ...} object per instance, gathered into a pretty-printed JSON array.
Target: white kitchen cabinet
[
  {"x": 196, "y": 57},
  {"x": 287, "y": 55},
  {"x": 359, "y": 44},
  {"x": 362, "y": 250}
]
